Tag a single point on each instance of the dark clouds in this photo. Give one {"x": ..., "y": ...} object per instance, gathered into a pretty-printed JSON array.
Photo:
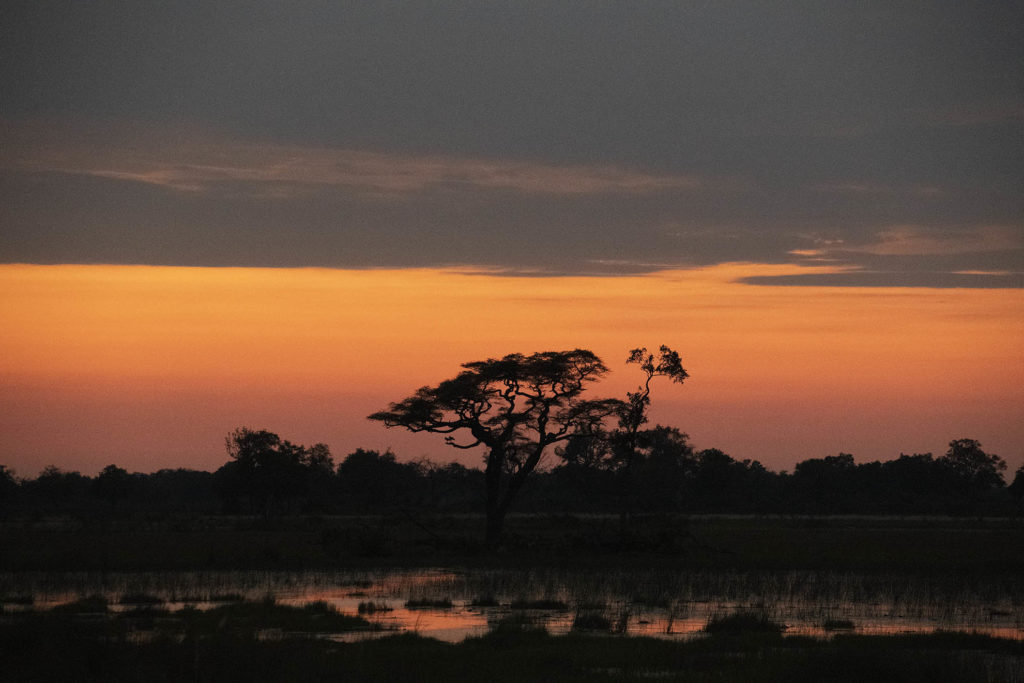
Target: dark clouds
[{"x": 574, "y": 137}]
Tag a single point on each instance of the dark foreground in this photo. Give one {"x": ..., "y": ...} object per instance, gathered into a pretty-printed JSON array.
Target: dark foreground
[
  {"x": 890, "y": 544},
  {"x": 267, "y": 642},
  {"x": 64, "y": 648}
]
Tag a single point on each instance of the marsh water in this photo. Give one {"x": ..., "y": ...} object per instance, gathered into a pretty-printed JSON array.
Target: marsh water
[{"x": 452, "y": 604}]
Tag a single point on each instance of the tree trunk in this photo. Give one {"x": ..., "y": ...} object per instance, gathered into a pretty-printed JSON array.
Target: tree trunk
[{"x": 495, "y": 513}]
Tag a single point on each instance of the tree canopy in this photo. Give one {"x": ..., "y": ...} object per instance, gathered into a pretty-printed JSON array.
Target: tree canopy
[
  {"x": 270, "y": 471},
  {"x": 516, "y": 407}
]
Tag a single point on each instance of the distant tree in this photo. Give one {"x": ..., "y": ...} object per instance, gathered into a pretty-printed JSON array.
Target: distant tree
[
  {"x": 452, "y": 486},
  {"x": 625, "y": 440},
  {"x": 8, "y": 489},
  {"x": 661, "y": 465},
  {"x": 587, "y": 450},
  {"x": 7, "y": 479},
  {"x": 516, "y": 407},
  {"x": 634, "y": 415},
  {"x": 375, "y": 481},
  {"x": 1017, "y": 487},
  {"x": 270, "y": 471},
  {"x": 713, "y": 472},
  {"x": 58, "y": 491},
  {"x": 320, "y": 479},
  {"x": 826, "y": 484},
  {"x": 113, "y": 484},
  {"x": 975, "y": 468},
  {"x": 720, "y": 483},
  {"x": 915, "y": 483},
  {"x": 181, "y": 490},
  {"x": 628, "y": 464}
]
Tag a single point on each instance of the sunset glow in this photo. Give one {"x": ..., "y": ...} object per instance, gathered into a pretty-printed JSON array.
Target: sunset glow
[{"x": 150, "y": 367}]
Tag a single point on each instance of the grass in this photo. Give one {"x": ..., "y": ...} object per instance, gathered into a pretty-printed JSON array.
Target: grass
[
  {"x": 248, "y": 617},
  {"x": 23, "y": 600},
  {"x": 514, "y": 623},
  {"x": 804, "y": 599},
  {"x": 895, "y": 564},
  {"x": 240, "y": 619},
  {"x": 92, "y": 604},
  {"x": 484, "y": 601},
  {"x": 723, "y": 542},
  {"x": 140, "y": 599}
]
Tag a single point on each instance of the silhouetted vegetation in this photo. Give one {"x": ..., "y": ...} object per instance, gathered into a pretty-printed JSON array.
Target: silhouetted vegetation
[
  {"x": 744, "y": 624},
  {"x": 665, "y": 475},
  {"x": 271, "y": 476},
  {"x": 516, "y": 408},
  {"x": 222, "y": 645}
]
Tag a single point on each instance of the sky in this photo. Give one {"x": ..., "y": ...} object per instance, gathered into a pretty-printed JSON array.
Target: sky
[{"x": 287, "y": 215}]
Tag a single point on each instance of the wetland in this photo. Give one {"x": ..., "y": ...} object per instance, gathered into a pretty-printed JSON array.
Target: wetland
[{"x": 729, "y": 598}]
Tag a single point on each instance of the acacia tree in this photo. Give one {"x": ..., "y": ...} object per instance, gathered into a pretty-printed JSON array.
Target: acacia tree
[
  {"x": 667, "y": 364},
  {"x": 590, "y": 454},
  {"x": 625, "y": 441},
  {"x": 516, "y": 407}
]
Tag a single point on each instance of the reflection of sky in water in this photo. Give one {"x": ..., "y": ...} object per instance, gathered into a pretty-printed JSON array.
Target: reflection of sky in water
[{"x": 803, "y": 601}]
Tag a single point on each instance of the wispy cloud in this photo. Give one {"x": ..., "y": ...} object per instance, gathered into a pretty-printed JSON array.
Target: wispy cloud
[
  {"x": 284, "y": 170},
  {"x": 870, "y": 188},
  {"x": 913, "y": 240},
  {"x": 909, "y": 240},
  {"x": 874, "y": 278}
]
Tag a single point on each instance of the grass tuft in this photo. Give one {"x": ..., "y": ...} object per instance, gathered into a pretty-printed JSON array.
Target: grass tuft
[
  {"x": 543, "y": 603},
  {"x": 743, "y": 623},
  {"x": 838, "y": 625},
  {"x": 370, "y": 607},
  {"x": 484, "y": 601},
  {"x": 87, "y": 605},
  {"x": 426, "y": 603},
  {"x": 591, "y": 621},
  {"x": 140, "y": 599},
  {"x": 17, "y": 600}
]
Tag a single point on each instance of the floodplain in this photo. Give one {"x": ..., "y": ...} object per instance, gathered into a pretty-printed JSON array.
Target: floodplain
[{"x": 346, "y": 595}]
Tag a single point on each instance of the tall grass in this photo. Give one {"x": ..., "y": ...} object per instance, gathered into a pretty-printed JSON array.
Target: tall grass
[{"x": 670, "y": 602}]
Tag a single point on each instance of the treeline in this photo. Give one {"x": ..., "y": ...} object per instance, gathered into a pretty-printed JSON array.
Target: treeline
[{"x": 266, "y": 475}]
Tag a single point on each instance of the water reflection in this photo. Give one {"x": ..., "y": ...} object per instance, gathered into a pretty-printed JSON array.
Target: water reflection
[{"x": 636, "y": 603}]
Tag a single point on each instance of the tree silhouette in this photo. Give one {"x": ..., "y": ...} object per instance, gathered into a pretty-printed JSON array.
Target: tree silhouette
[
  {"x": 634, "y": 415},
  {"x": 618, "y": 452},
  {"x": 972, "y": 466},
  {"x": 668, "y": 364},
  {"x": 375, "y": 481},
  {"x": 8, "y": 488},
  {"x": 516, "y": 407},
  {"x": 1017, "y": 487},
  {"x": 113, "y": 484},
  {"x": 269, "y": 470}
]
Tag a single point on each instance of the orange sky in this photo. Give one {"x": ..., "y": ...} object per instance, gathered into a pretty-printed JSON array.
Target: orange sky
[{"x": 150, "y": 367}]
